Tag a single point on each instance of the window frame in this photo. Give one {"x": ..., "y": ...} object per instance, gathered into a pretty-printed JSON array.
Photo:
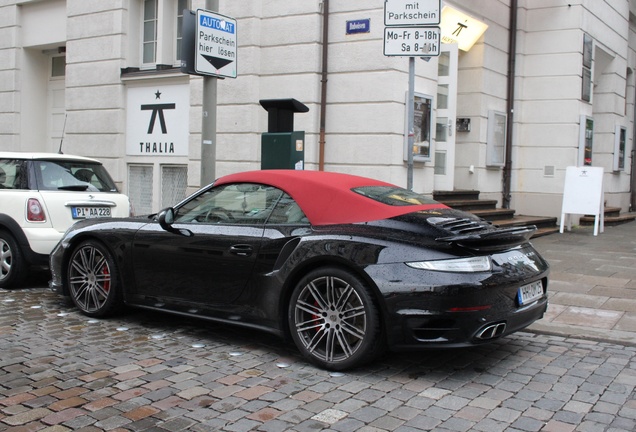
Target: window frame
[
  {"x": 496, "y": 139},
  {"x": 422, "y": 124},
  {"x": 168, "y": 15}
]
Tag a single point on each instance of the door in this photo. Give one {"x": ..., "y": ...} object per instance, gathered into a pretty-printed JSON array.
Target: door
[
  {"x": 213, "y": 262},
  {"x": 446, "y": 107},
  {"x": 210, "y": 267},
  {"x": 56, "y": 105}
]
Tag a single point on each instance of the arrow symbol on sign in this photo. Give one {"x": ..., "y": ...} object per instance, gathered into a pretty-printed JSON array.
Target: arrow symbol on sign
[{"x": 217, "y": 62}]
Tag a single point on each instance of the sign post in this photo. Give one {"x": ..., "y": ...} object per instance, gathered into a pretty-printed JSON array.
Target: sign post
[{"x": 412, "y": 29}]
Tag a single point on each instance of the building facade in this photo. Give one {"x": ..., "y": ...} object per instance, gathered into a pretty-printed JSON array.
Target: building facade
[{"x": 545, "y": 85}]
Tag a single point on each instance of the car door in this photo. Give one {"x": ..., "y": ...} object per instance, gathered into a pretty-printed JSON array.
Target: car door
[{"x": 208, "y": 258}]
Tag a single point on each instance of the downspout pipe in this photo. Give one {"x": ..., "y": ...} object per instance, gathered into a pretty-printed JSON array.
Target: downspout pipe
[
  {"x": 323, "y": 81},
  {"x": 512, "y": 54}
]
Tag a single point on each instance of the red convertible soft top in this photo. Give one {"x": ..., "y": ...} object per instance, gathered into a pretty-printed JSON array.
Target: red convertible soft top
[{"x": 327, "y": 198}]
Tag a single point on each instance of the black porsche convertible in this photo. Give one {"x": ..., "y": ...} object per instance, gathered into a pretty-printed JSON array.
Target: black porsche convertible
[{"x": 345, "y": 266}]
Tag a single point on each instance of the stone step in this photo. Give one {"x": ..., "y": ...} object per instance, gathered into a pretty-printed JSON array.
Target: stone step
[
  {"x": 545, "y": 225},
  {"x": 494, "y": 214},
  {"x": 611, "y": 218},
  {"x": 456, "y": 195},
  {"x": 468, "y": 200},
  {"x": 469, "y": 205}
]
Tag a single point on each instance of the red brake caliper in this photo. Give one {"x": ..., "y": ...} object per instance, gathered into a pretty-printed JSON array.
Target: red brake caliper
[{"x": 106, "y": 273}]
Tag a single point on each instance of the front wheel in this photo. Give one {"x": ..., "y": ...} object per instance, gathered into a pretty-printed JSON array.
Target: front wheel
[
  {"x": 93, "y": 280},
  {"x": 333, "y": 319}
]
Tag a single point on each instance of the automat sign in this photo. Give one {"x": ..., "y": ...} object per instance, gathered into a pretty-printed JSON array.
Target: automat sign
[{"x": 215, "y": 45}]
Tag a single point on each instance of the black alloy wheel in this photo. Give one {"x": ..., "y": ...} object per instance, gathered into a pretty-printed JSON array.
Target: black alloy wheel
[
  {"x": 93, "y": 280},
  {"x": 333, "y": 319}
]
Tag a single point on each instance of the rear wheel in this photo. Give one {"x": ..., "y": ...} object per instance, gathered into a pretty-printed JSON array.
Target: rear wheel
[
  {"x": 93, "y": 280},
  {"x": 333, "y": 319},
  {"x": 12, "y": 265}
]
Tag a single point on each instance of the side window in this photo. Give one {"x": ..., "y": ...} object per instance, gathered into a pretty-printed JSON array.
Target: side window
[
  {"x": 287, "y": 211},
  {"x": 10, "y": 177},
  {"x": 234, "y": 204}
]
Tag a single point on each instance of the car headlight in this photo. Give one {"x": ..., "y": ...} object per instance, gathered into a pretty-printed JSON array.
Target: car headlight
[{"x": 460, "y": 265}]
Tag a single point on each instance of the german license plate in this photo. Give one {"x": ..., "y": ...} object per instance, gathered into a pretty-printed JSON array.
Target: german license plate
[
  {"x": 529, "y": 293},
  {"x": 90, "y": 212}
]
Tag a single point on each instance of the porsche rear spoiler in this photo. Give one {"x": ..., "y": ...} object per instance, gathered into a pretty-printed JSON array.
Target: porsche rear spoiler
[{"x": 480, "y": 234}]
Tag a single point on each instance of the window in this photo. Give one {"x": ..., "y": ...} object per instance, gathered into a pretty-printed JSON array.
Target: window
[
  {"x": 149, "y": 44},
  {"x": 174, "y": 181},
  {"x": 58, "y": 66},
  {"x": 235, "y": 204},
  {"x": 73, "y": 176},
  {"x": 422, "y": 119},
  {"x": 182, "y": 4},
  {"x": 10, "y": 177},
  {"x": 159, "y": 26},
  {"x": 153, "y": 186},
  {"x": 393, "y": 196},
  {"x": 586, "y": 140},
  {"x": 620, "y": 137},
  {"x": 496, "y": 142},
  {"x": 140, "y": 188},
  {"x": 586, "y": 73}
]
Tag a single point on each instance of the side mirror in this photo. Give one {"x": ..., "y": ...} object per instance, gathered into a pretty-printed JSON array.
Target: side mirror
[{"x": 166, "y": 219}]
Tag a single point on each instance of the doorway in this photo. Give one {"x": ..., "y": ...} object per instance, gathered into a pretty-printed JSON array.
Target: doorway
[
  {"x": 446, "y": 108},
  {"x": 56, "y": 102}
]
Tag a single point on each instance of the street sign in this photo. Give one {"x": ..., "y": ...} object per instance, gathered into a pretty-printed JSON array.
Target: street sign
[
  {"x": 412, "y": 12},
  {"x": 412, "y": 41},
  {"x": 215, "y": 45}
]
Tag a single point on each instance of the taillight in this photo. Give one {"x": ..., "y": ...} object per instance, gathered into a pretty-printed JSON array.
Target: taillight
[{"x": 35, "y": 212}]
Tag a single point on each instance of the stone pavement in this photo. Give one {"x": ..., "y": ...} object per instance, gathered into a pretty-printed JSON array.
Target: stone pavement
[
  {"x": 592, "y": 285},
  {"x": 574, "y": 371}
]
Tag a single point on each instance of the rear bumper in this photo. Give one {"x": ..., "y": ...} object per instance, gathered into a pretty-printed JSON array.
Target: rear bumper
[
  {"x": 42, "y": 240},
  {"x": 434, "y": 309},
  {"x": 447, "y": 330}
]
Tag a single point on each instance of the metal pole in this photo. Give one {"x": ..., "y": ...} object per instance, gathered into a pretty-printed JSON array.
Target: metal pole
[
  {"x": 411, "y": 129},
  {"x": 208, "y": 127}
]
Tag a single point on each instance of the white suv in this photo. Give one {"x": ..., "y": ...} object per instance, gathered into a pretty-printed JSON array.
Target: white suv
[{"x": 41, "y": 196}]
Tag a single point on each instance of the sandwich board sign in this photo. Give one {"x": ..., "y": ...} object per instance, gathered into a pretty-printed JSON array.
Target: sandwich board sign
[
  {"x": 583, "y": 194},
  {"x": 215, "y": 52}
]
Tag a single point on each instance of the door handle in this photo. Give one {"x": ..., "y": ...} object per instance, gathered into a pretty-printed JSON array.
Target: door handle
[{"x": 241, "y": 250}]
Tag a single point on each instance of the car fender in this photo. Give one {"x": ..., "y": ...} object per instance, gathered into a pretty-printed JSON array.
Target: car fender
[
  {"x": 14, "y": 228},
  {"x": 310, "y": 253}
]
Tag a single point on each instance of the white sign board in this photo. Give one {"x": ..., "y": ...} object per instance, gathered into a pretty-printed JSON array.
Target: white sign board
[
  {"x": 412, "y": 13},
  {"x": 412, "y": 41},
  {"x": 583, "y": 194},
  {"x": 157, "y": 120},
  {"x": 216, "y": 45}
]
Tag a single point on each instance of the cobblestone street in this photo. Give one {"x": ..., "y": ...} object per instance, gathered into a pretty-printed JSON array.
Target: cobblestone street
[{"x": 60, "y": 370}]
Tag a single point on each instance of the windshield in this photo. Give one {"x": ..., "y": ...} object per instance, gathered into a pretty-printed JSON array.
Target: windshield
[
  {"x": 73, "y": 176},
  {"x": 393, "y": 196}
]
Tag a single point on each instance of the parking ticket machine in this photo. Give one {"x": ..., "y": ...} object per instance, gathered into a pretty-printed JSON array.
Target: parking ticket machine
[{"x": 281, "y": 146}]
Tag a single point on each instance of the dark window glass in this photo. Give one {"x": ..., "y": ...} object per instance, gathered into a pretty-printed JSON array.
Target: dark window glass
[{"x": 393, "y": 196}]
